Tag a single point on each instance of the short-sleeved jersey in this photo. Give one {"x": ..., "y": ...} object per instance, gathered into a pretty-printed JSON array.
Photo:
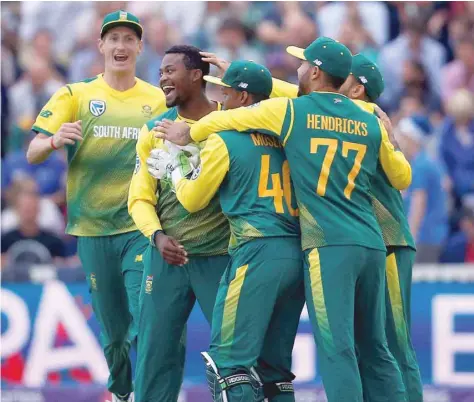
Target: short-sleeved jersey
[
  {"x": 252, "y": 177},
  {"x": 333, "y": 148},
  {"x": 100, "y": 166},
  {"x": 388, "y": 205},
  {"x": 204, "y": 233}
]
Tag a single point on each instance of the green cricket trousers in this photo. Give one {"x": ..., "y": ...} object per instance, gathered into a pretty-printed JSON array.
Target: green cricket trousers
[
  {"x": 255, "y": 320},
  {"x": 345, "y": 295},
  {"x": 114, "y": 269},
  {"x": 167, "y": 297}
]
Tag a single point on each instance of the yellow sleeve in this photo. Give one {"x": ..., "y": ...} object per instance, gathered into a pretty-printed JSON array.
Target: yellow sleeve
[
  {"x": 195, "y": 194},
  {"x": 273, "y": 116},
  {"x": 59, "y": 109},
  {"x": 283, "y": 89},
  {"x": 367, "y": 106},
  {"x": 142, "y": 197},
  {"x": 394, "y": 163}
]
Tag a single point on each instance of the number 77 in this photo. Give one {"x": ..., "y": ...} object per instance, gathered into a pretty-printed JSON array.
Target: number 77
[{"x": 332, "y": 145}]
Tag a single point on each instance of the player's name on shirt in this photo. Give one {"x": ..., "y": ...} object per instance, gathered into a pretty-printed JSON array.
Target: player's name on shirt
[
  {"x": 260, "y": 140},
  {"x": 119, "y": 132},
  {"x": 339, "y": 124}
]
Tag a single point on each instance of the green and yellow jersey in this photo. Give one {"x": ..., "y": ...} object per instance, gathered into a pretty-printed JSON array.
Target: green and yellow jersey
[
  {"x": 388, "y": 204},
  {"x": 153, "y": 204},
  {"x": 386, "y": 200},
  {"x": 252, "y": 177},
  {"x": 100, "y": 166},
  {"x": 333, "y": 148}
]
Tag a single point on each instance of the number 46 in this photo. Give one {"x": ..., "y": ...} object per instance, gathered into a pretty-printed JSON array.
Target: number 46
[{"x": 277, "y": 191}]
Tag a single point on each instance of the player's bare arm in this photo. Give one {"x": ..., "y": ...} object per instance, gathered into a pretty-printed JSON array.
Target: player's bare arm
[
  {"x": 178, "y": 133},
  {"x": 221, "y": 64},
  {"x": 42, "y": 145}
]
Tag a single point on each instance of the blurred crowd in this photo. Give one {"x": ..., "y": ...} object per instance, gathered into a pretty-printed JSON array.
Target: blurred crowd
[{"x": 424, "y": 49}]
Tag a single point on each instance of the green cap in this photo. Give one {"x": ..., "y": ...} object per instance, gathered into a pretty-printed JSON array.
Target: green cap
[
  {"x": 328, "y": 54},
  {"x": 244, "y": 75},
  {"x": 368, "y": 74},
  {"x": 121, "y": 18}
]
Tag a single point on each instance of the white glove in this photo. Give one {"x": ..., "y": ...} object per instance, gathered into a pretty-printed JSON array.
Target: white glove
[
  {"x": 192, "y": 151},
  {"x": 157, "y": 163}
]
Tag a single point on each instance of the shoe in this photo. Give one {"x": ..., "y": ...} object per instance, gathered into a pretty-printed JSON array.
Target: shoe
[{"x": 123, "y": 398}]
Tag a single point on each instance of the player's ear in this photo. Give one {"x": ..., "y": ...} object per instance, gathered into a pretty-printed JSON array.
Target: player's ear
[
  {"x": 315, "y": 73},
  {"x": 140, "y": 46},
  {"x": 100, "y": 45},
  {"x": 244, "y": 97},
  {"x": 358, "y": 91},
  {"x": 197, "y": 75}
]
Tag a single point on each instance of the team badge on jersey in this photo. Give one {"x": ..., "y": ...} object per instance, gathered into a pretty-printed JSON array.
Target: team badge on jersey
[
  {"x": 149, "y": 284},
  {"x": 97, "y": 107},
  {"x": 146, "y": 110}
]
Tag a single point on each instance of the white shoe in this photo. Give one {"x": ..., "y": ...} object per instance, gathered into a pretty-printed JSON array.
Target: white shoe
[{"x": 118, "y": 398}]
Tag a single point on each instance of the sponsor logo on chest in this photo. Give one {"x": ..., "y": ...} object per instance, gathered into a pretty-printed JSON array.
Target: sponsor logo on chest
[
  {"x": 118, "y": 132},
  {"x": 97, "y": 107}
]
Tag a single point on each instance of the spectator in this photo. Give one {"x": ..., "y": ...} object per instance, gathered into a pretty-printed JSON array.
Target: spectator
[
  {"x": 86, "y": 54},
  {"x": 232, "y": 42},
  {"x": 354, "y": 34},
  {"x": 283, "y": 26},
  {"x": 211, "y": 17},
  {"x": 425, "y": 200},
  {"x": 49, "y": 219},
  {"x": 159, "y": 37},
  {"x": 372, "y": 19},
  {"x": 29, "y": 243},
  {"x": 411, "y": 44},
  {"x": 42, "y": 48},
  {"x": 48, "y": 175},
  {"x": 457, "y": 143},
  {"x": 460, "y": 72},
  {"x": 27, "y": 96},
  {"x": 460, "y": 247}
]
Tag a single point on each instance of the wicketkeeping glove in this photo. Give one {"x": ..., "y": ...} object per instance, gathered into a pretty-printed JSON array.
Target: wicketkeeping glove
[
  {"x": 157, "y": 163},
  {"x": 180, "y": 167}
]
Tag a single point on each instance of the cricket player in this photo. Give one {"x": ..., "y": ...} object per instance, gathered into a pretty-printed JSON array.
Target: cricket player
[
  {"x": 251, "y": 176},
  {"x": 98, "y": 121},
  {"x": 364, "y": 85},
  {"x": 187, "y": 253},
  {"x": 333, "y": 148}
]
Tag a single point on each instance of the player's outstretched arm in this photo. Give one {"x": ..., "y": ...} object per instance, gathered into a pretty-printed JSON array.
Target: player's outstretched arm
[
  {"x": 195, "y": 194},
  {"x": 394, "y": 163},
  {"x": 283, "y": 89},
  {"x": 272, "y": 116}
]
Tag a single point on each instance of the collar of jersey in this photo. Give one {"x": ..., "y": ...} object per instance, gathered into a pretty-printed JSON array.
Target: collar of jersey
[
  {"x": 219, "y": 108},
  {"x": 120, "y": 94},
  {"x": 330, "y": 92}
]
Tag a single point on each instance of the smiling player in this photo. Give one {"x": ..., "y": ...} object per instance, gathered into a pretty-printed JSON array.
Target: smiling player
[
  {"x": 187, "y": 254},
  {"x": 98, "y": 121}
]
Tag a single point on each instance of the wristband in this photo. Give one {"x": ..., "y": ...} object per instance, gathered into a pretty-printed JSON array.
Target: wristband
[
  {"x": 52, "y": 144},
  {"x": 153, "y": 237}
]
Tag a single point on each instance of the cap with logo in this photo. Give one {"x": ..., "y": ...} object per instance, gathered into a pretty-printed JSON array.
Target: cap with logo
[
  {"x": 369, "y": 75},
  {"x": 328, "y": 54},
  {"x": 121, "y": 18},
  {"x": 244, "y": 75}
]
